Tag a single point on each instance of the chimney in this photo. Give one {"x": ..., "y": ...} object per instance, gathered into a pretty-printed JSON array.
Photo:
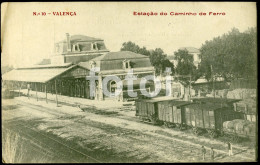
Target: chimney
[{"x": 68, "y": 42}]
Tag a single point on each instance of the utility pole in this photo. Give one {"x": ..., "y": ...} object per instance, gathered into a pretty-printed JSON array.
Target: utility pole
[
  {"x": 212, "y": 76},
  {"x": 190, "y": 86}
]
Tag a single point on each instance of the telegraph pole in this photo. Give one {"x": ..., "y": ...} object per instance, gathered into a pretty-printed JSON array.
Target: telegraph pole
[{"x": 212, "y": 76}]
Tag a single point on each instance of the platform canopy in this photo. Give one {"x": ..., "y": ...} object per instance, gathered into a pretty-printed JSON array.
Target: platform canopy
[{"x": 42, "y": 75}]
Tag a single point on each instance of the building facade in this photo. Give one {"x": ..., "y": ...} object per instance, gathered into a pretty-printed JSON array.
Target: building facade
[
  {"x": 66, "y": 72},
  {"x": 191, "y": 50}
]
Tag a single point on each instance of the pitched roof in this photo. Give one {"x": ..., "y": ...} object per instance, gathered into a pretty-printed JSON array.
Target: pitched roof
[
  {"x": 74, "y": 38},
  {"x": 119, "y": 55},
  {"x": 35, "y": 75},
  {"x": 191, "y": 49}
]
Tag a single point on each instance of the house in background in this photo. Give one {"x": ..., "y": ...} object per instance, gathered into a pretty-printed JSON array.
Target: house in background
[
  {"x": 77, "y": 48},
  {"x": 191, "y": 50}
]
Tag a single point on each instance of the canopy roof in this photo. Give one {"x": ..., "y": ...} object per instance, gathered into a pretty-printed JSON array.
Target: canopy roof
[{"x": 34, "y": 75}]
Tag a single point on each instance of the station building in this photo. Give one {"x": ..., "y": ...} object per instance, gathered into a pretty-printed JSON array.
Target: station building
[{"x": 66, "y": 70}]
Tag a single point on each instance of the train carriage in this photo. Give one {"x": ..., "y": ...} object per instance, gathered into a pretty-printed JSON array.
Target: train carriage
[
  {"x": 147, "y": 109},
  {"x": 209, "y": 117},
  {"x": 172, "y": 113},
  {"x": 201, "y": 115}
]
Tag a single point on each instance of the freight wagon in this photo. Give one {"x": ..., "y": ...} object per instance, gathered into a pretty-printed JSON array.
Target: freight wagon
[
  {"x": 147, "y": 109},
  {"x": 172, "y": 113},
  {"x": 198, "y": 115},
  {"x": 209, "y": 117}
]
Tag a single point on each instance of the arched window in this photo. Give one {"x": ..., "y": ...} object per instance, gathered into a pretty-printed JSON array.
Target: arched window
[{"x": 113, "y": 87}]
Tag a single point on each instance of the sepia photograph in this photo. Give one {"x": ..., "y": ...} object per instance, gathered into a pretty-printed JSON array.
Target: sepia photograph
[{"x": 129, "y": 82}]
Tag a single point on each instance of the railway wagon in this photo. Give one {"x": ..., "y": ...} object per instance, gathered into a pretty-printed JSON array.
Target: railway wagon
[
  {"x": 209, "y": 117},
  {"x": 147, "y": 109},
  {"x": 172, "y": 113}
]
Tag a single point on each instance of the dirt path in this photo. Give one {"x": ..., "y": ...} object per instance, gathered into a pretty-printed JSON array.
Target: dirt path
[{"x": 112, "y": 137}]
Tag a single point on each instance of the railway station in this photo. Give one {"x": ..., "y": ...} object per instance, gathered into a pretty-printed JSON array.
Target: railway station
[{"x": 65, "y": 72}]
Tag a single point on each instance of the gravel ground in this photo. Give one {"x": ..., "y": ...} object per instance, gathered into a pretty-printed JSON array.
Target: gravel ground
[{"x": 48, "y": 133}]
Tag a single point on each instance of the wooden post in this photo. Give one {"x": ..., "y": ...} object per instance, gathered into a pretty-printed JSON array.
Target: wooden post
[
  {"x": 56, "y": 92},
  {"x": 46, "y": 92},
  {"x": 36, "y": 91}
]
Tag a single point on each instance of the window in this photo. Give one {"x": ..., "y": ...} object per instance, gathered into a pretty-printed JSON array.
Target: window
[
  {"x": 94, "y": 46},
  {"x": 75, "y": 47},
  {"x": 126, "y": 64},
  {"x": 113, "y": 87},
  {"x": 92, "y": 64}
]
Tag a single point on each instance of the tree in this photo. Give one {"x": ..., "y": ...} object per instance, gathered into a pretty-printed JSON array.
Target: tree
[
  {"x": 185, "y": 65},
  {"x": 231, "y": 55},
  {"x": 130, "y": 46},
  {"x": 157, "y": 57}
]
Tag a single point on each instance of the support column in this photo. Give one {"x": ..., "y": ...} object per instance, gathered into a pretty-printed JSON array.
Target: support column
[
  {"x": 100, "y": 88},
  {"x": 28, "y": 88},
  {"x": 46, "y": 92},
  {"x": 36, "y": 91},
  {"x": 87, "y": 90},
  {"x": 56, "y": 92}
]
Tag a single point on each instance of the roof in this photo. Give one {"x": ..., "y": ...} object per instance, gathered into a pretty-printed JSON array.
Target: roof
[
  {"x": 201, "y": 80},
  {"x": 112, "y": 63},
  {"x": 191, "y": 49},
  {"x": 178, "y": 103},
  {"x": 119, "y": 55},
  {"x": 165, "y": 99},
  {"x": 208, "y": 107},
  {"x": 215, "y": 100},
  {"x": 35, "y": 75},
  {"x": 62, "y": 65},
  {"x": 170, "y": 57},
  {"x": 74, "y": 38}
]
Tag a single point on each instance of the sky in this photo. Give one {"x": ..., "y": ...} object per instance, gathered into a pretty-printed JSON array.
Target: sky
[{"x": 26, "y": 39}]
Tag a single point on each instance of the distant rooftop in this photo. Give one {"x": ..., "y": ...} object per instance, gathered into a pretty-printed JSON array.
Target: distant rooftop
[
  {"x": 74, "y": 38},
  {"x": 170, "y": 57},
  {"x": 119, "y": 55},
  {"x": 191, "y": 49}
]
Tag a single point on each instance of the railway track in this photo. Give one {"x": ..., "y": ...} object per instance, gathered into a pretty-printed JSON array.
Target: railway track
[
  {"x": 50, "y": 143},
  {"x": 51, "y": 111}
]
